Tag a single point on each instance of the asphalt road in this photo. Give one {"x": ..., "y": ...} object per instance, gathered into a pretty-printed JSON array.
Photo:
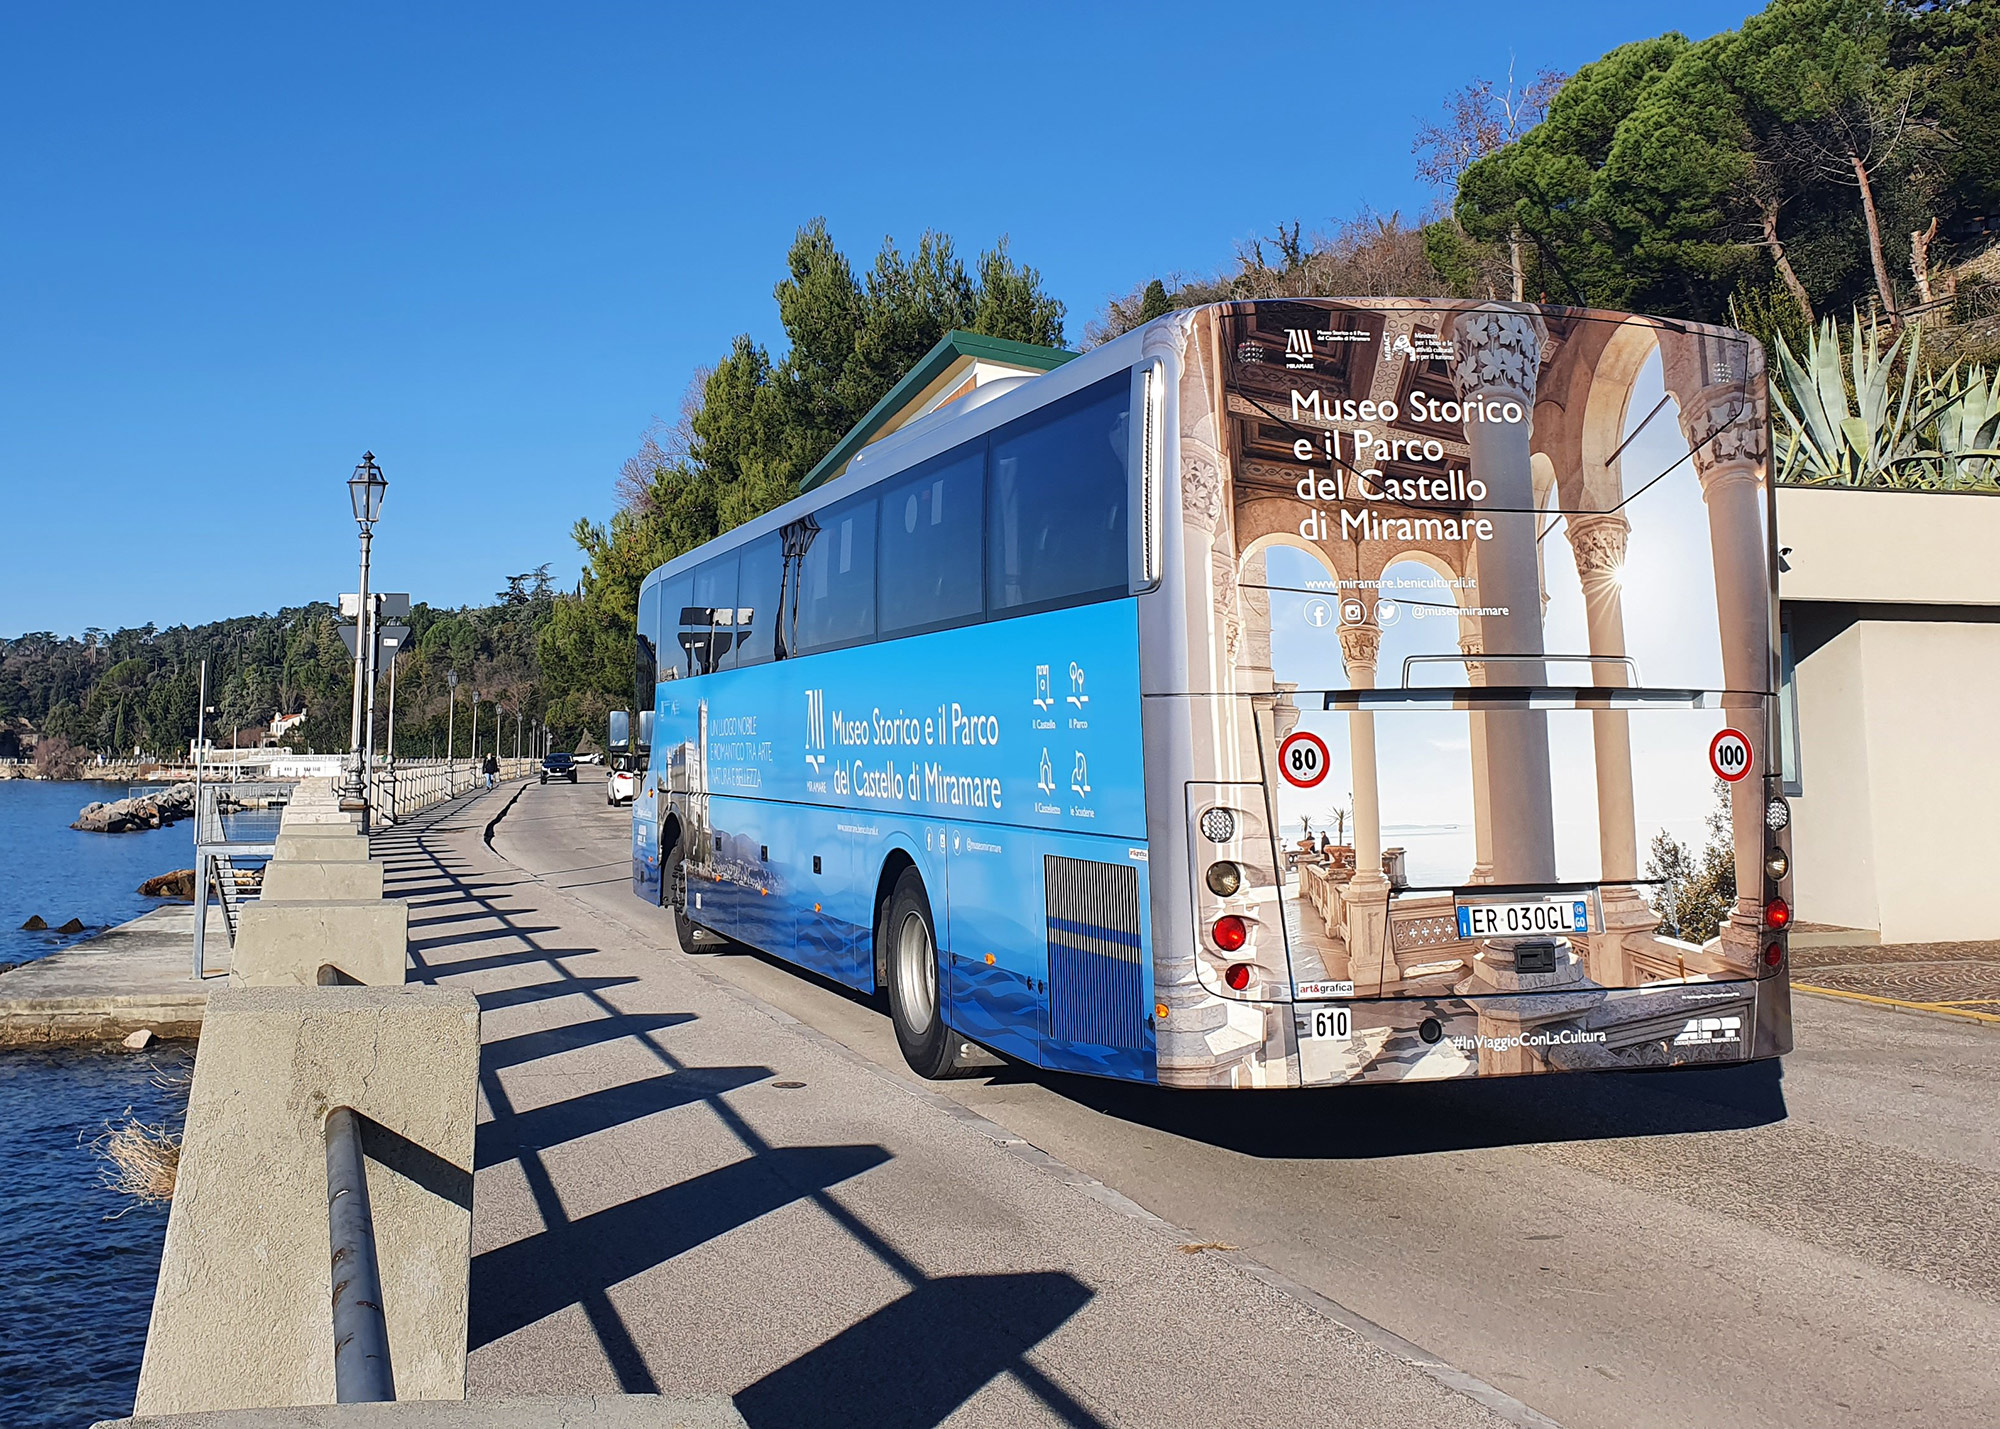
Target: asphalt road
[{"x": 1817, "y": 1244}]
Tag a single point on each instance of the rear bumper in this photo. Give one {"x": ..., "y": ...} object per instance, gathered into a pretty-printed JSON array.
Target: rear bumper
[{"x": 1441, "y": 1038}]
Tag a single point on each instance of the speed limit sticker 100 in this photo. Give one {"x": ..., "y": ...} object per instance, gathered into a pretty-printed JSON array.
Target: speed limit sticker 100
[
  {"x": 1729, "y": 755},
  {"x": 1303, "y": 759}
]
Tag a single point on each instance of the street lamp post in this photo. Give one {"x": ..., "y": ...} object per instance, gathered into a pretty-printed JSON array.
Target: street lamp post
[
  {"x": 365, "y": 489},
  {"x": 391, "y": 756},
  {"x": 450, "y": 744}
]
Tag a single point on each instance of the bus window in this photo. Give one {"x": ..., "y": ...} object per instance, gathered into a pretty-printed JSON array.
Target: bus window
[
  {"x": 715, "y": 607},
  {"x": 929, "y": 556},
  {"x": 837, "y": 594},
  {"x": 646, "y": 664},
  {"x": 675, "y": 638},
  {"x": 1055, "y": 530},
  {"x": 757, "y": 601}
]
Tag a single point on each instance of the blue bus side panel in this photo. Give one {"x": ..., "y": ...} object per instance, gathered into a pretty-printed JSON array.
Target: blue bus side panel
[
  {"x": 1035, "y": 991},
  {"x": 1021, "y": 736},
  {"x": 645, "y": 850}
]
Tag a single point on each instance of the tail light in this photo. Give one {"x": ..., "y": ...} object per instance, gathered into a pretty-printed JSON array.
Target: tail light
[
  {"x": 1229, "y": 933},
  {"x": 1776, "y": 864},
  {"x": 1774, "y": 955},
  {"x": 1224, "y": 878},
  {"x": 1777, "y": 913},
  {"x": 1238, "y": 976}
]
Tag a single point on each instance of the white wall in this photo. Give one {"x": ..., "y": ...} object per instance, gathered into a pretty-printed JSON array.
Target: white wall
[
  {"x": 1833, "y": 845},
  {"x": 1898, "y": 827},
  {"x": 1918, "y": 546}
]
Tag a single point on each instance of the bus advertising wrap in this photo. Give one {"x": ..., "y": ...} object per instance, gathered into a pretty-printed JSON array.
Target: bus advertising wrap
[{"x": 1484, "y": 601}]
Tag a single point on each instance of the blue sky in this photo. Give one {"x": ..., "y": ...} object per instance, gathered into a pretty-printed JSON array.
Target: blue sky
[{"x": 243, "y": 244}]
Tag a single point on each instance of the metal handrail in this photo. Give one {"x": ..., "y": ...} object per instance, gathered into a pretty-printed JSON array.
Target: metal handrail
[{"x": 362, "y": 1373}]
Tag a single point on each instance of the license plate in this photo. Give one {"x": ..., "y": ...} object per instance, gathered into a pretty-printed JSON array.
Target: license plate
[
  {"x": 1326, "y": 1023},
  {"x": 1541, "y": 916}
]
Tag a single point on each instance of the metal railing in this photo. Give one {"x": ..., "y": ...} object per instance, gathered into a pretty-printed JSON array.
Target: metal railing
[
  {"x": 216, "y": 857},
  {"x": 362, "y": 1373},
  {"x": 409, "y": 786}
]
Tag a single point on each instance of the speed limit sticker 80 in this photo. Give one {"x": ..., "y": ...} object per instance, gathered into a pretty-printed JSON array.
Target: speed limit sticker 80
[{"x": 1303, "y": 759}]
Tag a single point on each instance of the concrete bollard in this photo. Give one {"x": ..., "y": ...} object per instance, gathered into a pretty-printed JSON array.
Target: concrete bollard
[
  {"x": 295, "y": 944},
  {"x": 287, "y": 881},
  {"x": 242, "y": 1317},
  {"x": 321, "y": 848}
]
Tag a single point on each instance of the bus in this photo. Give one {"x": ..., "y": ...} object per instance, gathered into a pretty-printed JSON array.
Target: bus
[{"x": 1287, "y": 693}]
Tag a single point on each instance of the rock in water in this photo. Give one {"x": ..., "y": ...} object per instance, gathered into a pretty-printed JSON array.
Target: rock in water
[
  {"x": 74, "y": 925},
  {"x": 142, "y": 1039},
  {"x": 178, "y": 884},
  {"x": 150, "y": 811},
  {"x": 35, "y": 924}
]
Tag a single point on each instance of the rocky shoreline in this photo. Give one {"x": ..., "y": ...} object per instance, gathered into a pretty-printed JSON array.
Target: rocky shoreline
[{"x": 146, "y": 811}]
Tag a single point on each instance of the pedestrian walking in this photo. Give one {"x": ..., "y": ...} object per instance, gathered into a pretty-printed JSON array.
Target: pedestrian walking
[{"x": 492, "y": 767}]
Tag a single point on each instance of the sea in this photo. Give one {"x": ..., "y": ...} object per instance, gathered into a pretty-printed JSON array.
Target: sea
[{"x": 77, "y": 1259}]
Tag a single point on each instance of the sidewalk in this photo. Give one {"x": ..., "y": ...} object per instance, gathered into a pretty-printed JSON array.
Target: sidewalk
[
  {"x": 1962, "y": 978},
  {"x": 677, "y": 1191},
  {"x": 138, "y": 974}
]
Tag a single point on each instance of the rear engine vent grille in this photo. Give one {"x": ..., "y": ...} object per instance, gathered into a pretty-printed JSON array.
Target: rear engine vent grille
[{"x": 1097, "y": 992}]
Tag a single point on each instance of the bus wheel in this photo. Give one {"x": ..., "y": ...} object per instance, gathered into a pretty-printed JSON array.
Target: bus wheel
[
  {"x": 677, "y": 891},
  {"x": 907, "y": 931}
]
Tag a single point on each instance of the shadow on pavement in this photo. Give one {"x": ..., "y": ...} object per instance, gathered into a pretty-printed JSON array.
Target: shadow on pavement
[
  {"x": 548, "y": 1041},
  {"x": 577, "y": 1261},
  {"x": 547, "y": 991},
  {"x": 1415, "y": 1118},
  {"x": 510, "y": 1136},
  {"x": 915, "y": 1361}
]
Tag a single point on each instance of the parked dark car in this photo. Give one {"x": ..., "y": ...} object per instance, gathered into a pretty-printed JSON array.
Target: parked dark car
[{"x": 558, "y": 766}]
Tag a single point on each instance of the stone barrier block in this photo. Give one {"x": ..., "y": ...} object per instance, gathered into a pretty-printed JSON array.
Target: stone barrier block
[
  {"x": 242, "y": 1317},
  {"x": 317, "y": 819},
  {"x": 321, "y": 848},
  {"x": 286, "y": 881},
  {"x": 597, "y": 1411},
  {"x": 293, "y": 944}
]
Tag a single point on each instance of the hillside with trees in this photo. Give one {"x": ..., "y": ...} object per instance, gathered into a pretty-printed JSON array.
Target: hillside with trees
[{"x": 135, "y": 691}]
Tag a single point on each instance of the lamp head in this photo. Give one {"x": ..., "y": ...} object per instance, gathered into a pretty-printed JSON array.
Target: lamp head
[{"x": 365, "y": 487}]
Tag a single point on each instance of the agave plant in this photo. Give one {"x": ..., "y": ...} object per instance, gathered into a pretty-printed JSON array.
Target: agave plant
[
  {"x": 1841, "y": 436},
  {"x": 1859, "y": 422},
  {"x": 1965, "y": 427}
]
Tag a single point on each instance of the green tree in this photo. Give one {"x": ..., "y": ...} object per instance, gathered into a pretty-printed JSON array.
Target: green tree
[{"x": 756, "y": 425}]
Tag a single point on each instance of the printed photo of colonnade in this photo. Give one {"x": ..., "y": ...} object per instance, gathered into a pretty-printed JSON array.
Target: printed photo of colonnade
[{"x": 1553, "y": 523}]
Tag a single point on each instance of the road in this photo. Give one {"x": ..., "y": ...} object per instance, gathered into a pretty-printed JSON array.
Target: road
[{"x": 1817, "y": 1244}]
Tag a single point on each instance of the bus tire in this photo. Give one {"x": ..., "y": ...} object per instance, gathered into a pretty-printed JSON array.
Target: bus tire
[
  {"x": 673, "y": 893},
  {"x": 908, "y": 934}
]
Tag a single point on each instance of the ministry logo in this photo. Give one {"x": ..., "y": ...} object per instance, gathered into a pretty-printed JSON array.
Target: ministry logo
[{"x": 816, "y": 730}]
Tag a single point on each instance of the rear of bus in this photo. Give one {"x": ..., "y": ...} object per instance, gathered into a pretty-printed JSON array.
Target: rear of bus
[{"x": 1460, "y": 695}]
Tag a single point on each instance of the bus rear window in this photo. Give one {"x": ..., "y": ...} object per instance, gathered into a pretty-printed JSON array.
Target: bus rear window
[{"x": 1055, "y": 529}]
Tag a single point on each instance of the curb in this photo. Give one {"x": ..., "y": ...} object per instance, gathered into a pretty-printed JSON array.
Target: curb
[{"x": 1922, "y": 1009}]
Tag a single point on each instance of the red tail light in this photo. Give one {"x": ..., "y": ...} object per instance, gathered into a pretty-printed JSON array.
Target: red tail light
[
  {"x": 1238, "y": 976},
  {"x": 1774, "y": 955},
  {"x": 1230, "y": 934},
  {"x": 1777, "y": 913}
]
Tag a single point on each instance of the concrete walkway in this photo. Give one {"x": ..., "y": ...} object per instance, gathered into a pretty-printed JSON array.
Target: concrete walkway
[
  {"x": 682, "y": 1190},
  {"x": 138, "y": 974}
]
